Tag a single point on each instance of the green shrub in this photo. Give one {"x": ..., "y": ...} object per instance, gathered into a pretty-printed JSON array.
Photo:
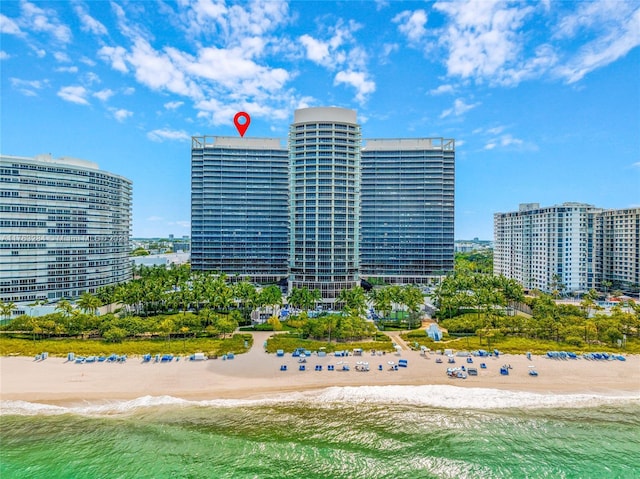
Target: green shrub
[{"x": 574, "y": 341}]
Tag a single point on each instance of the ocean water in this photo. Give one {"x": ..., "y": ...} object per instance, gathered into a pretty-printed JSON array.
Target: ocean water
[{"x": 364, "y": 432}]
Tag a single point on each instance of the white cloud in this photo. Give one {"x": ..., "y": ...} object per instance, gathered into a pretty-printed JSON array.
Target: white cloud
[
  {"x": 496, "y": 130},
  {"x": 120, "y": 114},
  {"x": 91, "y": 78},
  {"x": 88, "y": 61},
  {"x": 389, "y": 48},
  {"x": 234, "y": 22},
  {"x": 224, "y": 77},
  {"x": 4, "y": 55},
  {"x": 459, "y": 108},
  {"x": 505, "y": 141},
  {"x": 173, "y": 105},
  {"x": 8, "y": 26},
  {"x": 442, "y": 89},
  {"x": 619, "y": 36},
  {"x": 104, "y": 95},
  {"x": 228, "y": 68},
  {"x": 412, "y": 24},
  {"x": 482, "y": 38},
  {"x": 67, "y": 69},
  {"x": 359, "y": 81},
  {"x": 155, "y": 218},
  {"x": 116, "y": 56},
  {"x": 88, "y": 23},
  {"x": 496, "y": 42},
  {"x": 183, "y": 223},
  {"x": 317, "y": 51},
  {"x": 27, "y": 87},
  {"x": 166, "y": 134},
  {"x": 74, "y": 94},
  {"x": 158, "y": 71},
  {"x": 338, "y": 49},
  {"x": 636, "y": 164},
  {"x": 40, "y": 20},
  {"x": 61, "y": 57}
]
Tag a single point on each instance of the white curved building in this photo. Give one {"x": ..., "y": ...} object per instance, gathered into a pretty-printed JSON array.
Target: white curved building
[
  {"x": 324, "y": 200},
  {"x": 65, "y": 228}
]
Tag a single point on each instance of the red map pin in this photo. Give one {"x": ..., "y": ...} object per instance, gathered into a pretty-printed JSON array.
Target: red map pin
[{"x": 242, "y": 127}]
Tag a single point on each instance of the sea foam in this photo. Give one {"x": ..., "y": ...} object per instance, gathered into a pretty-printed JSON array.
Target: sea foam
[{"x": 440, "y": 396}]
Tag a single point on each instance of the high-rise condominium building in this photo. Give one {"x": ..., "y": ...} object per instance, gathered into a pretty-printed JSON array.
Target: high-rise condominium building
[
  {"x": 407, "y": 217},
  {"x": 619, "y": 254},
  {"x": 575, "y": 245},
  {"x": 239, "y": 209},
  {"x": 324, "y": 203},
  {"x": 65, "y": 228},
  {"x": 263, "y": 211}
]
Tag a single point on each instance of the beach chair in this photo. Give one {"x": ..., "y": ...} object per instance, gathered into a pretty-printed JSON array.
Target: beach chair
[
  {"x": 379, "y": 367},
  {"x": 483, "y": 366},
  {"x": 302, "y": 367},
  {"x": 331, "y": 367},
  {"x": 283, "y": 367}
]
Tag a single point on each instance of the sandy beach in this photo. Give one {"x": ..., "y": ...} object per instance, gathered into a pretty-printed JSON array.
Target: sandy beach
[{"x": 257, "y": 375}]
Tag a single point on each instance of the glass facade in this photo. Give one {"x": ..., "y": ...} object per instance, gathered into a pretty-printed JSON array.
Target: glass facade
[
  {"x": 65, "y": 228},
  {"x": 407, "y": 220},
  {"x": 324, "y": 207},
  {"x": 239, "y": 204}
]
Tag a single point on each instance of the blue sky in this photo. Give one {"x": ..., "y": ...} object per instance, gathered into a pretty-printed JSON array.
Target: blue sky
[{"x": 543, "y": 98}]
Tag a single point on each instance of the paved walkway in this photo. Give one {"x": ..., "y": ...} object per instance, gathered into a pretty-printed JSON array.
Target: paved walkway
[{"x": 395, "y": 337}]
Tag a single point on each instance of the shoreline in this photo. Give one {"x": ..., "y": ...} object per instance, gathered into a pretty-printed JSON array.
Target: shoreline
[{"x": 256, "y": 375}]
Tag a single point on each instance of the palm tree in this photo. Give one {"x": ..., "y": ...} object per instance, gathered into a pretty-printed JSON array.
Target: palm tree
[
  {"x": 355, "y": 303},
  {"x": 65, "y": 307},
  {"x": 88, "y": 303},
  {"x": 589, "y": 301},
  {"x": 380, "y": 300},
  {"x": 303, "y": 298},
  {"x": 6, "y": 309},
  {"x": 270, "y": 296}
]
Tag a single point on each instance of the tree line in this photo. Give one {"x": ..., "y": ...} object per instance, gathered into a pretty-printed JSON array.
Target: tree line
[{"x": 475, "y": 303}]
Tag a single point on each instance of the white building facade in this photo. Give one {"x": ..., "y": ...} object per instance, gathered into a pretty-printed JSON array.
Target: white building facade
[
  {"x": 544, "y": 247},
  {"x": 620, "y": 251},
  {"x": 575, "y": 245},
  {"x": 65, "y": 228},
  {"x": 324, "y": 200}
]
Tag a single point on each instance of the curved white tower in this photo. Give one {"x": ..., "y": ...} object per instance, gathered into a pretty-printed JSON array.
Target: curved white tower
[
  {"x": 65, "y": 228},
  {"x": 324, "y": 205}
]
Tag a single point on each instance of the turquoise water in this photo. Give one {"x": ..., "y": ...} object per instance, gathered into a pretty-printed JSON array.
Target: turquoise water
[{"x": 324, "y": 436}]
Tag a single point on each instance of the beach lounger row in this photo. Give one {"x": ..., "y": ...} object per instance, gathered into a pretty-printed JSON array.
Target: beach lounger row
[
  {"x": 361, "y": 366},
  {"x": 603, "y": 357},
  {"x": 561, "y": 355},
  {"x": 113, "y": 358}
]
